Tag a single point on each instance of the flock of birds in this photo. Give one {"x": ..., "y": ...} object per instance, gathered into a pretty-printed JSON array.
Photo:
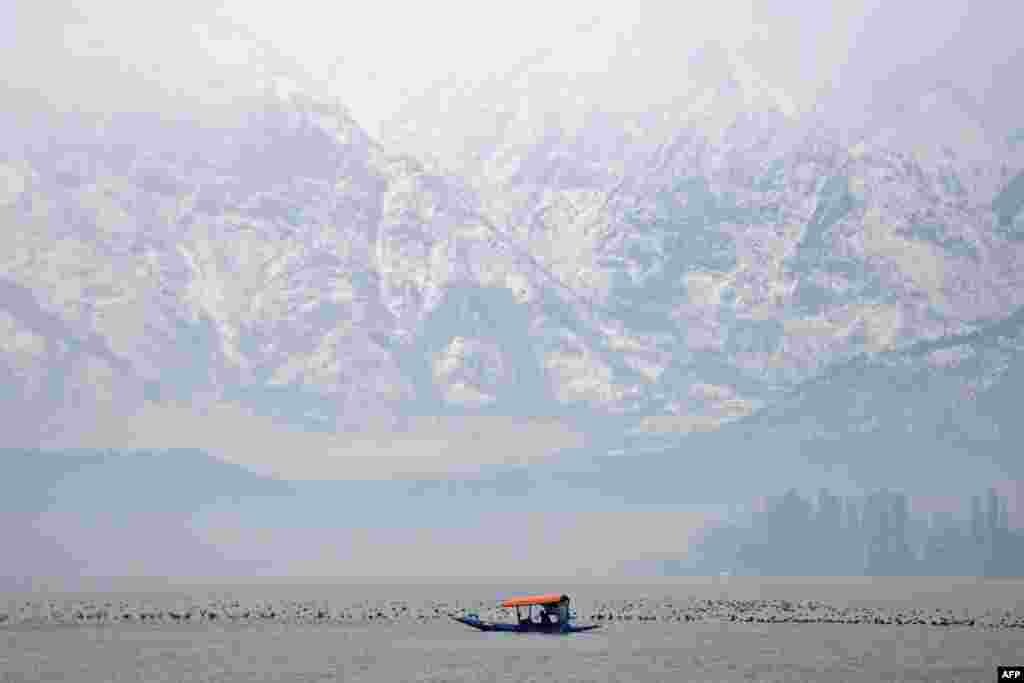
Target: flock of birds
[
  {"x": 91, "y": 612},
  {"x": 806, "y": 612}
]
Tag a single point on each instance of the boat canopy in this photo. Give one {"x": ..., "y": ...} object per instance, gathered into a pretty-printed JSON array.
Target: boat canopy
[{"x": 546, "y": 599}]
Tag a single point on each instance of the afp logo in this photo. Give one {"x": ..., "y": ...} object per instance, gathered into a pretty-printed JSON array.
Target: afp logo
[{"x": 1010, "y": 673}]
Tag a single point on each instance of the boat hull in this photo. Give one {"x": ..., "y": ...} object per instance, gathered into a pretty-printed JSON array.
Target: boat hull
[{"x": 481, "y": 625}]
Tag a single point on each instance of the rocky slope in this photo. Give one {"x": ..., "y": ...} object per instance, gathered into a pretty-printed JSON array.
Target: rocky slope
[{"x": 666, "y": 270}]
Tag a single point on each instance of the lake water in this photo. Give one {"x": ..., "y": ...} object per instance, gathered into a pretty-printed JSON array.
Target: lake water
[{"x": 404, "y": 649}]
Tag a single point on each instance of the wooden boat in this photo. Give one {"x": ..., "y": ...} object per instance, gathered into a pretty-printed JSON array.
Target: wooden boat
[{"x": 553, "y": 616}]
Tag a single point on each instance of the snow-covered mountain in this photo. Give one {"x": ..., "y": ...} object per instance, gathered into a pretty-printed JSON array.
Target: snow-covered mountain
[{"x": 523, "y": 256}]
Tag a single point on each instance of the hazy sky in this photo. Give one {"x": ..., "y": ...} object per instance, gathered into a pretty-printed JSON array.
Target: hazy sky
[
  {"x": 385, "y": 52},
  {"x": 178, "y": 59},
  {"x": 374, "y": 56},
  {"x": 377, "y": 54}
]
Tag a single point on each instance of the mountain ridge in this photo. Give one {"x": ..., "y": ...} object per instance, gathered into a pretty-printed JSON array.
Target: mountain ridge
[{"x": 677, "y": 276}]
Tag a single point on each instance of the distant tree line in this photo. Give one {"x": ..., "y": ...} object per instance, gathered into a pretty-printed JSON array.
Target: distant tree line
[{"x": 872, "y": 535}]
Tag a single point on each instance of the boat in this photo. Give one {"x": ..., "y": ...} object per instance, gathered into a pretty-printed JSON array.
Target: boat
[{"x": 553, "y": 616}]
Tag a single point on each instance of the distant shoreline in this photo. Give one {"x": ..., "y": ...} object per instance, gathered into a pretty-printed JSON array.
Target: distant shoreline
[
  {"x": 153, "y": 582},
  {"x": 882, "y": 592},
  {"x": 333, "y": 607}
]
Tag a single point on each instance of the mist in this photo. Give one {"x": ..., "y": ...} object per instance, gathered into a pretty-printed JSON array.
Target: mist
[{"x": 575, "y": 291}]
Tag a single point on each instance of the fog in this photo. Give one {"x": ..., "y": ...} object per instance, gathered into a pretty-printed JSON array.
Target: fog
[{"x": 328, "y": 246}]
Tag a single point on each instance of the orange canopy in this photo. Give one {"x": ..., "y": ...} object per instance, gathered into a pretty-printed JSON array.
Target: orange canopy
[{"x": 546, "y": 599}]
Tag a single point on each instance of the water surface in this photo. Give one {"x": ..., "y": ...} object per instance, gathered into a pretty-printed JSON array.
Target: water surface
[{"x": 441, "y": 650}]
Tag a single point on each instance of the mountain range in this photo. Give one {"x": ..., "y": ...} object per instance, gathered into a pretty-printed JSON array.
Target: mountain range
[{"x": 719, "y": 270}]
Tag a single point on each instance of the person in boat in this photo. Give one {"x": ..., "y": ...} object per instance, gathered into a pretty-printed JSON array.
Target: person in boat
[{"x": 553, "y": 616}]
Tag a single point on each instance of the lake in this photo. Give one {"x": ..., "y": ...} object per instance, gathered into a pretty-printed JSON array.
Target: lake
[{"x": 43, "y": 639}]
